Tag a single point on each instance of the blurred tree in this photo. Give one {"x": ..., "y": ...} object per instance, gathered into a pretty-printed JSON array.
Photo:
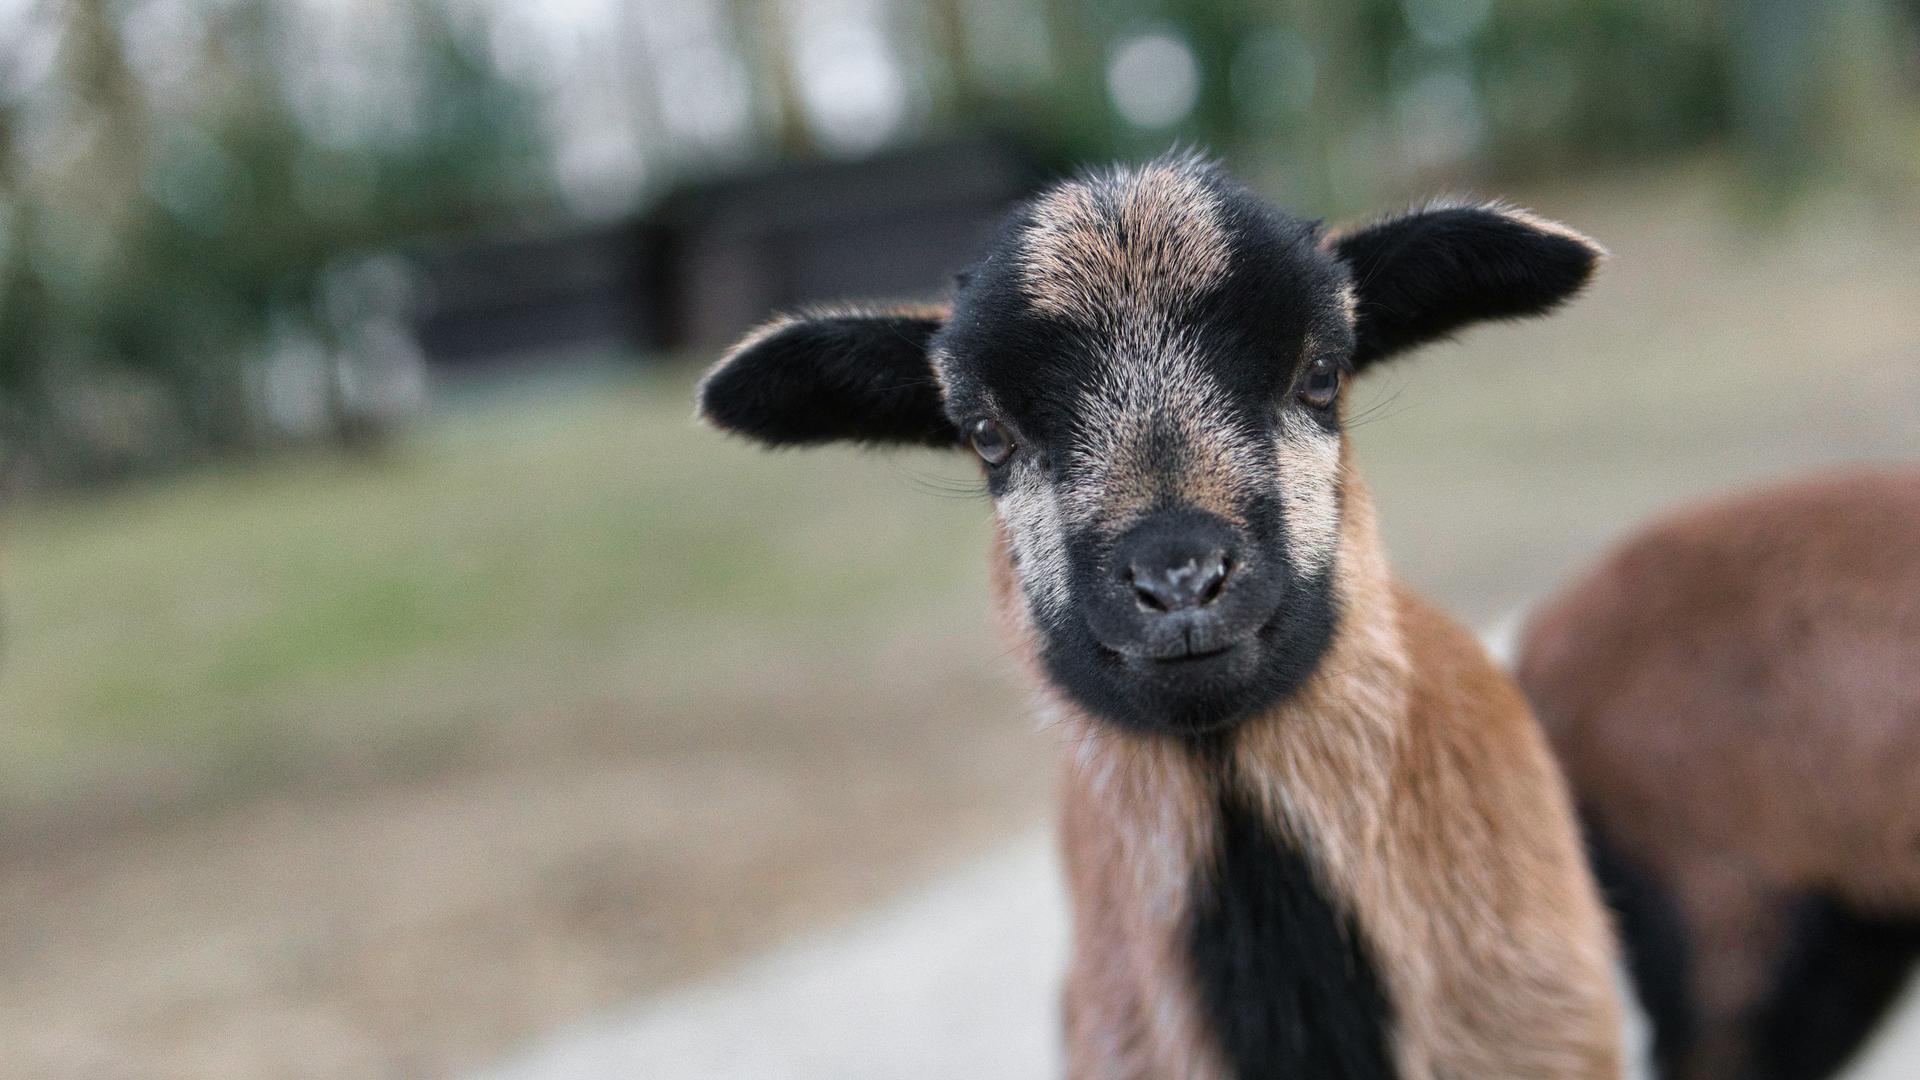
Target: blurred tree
[
  {"x": 767, "y": 29},
  {"x": 188, "y": 229},
  {"x": 952, "y": 49},
  {"x": 194, "y": 193}
]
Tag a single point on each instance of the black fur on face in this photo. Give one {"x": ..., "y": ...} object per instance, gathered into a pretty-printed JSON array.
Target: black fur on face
[
  {"x": 1141, "y": 334},
  {"x": 1162, "y": 352}
]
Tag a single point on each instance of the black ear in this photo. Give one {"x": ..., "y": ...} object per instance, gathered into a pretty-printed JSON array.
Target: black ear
[
  {"x": 860, "y": 376},
  {"x": 1425, "y": 274}
]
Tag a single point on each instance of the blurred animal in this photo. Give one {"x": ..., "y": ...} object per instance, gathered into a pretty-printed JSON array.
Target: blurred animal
[
  {"x": 1735, "y": 692},
  {"x": 1310, "y": 829}
]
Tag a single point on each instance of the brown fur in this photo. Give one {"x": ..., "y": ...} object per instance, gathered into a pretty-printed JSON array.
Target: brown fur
[
  {"x": 1735, "y": 695},
  {"x": 1151, "y": 235},
  {"x": 1410, "y": 772},
  {"x": 1121, "y": 253},
  {"x": 1124, "y": 478}
]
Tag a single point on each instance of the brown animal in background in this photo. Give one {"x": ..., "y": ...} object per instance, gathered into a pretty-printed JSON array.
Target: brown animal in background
[
  {"x": 1735, "y": 694},
  {"x": 1311, "y": 830}
]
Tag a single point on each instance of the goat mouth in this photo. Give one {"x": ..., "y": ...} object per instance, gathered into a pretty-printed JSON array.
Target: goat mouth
[
  {"x": 1189, "y": 658},
  {"x": 1194, "y": 645},
  {"x": 1183, "y": 690},
  {"x": 1183, "y": 657},
  {"x": 1190, "y": 654}
]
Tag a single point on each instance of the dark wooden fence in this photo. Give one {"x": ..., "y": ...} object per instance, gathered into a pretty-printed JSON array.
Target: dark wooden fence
[{"x": 713, "y": 259}]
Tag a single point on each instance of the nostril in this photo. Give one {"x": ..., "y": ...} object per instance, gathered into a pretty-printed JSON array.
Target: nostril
[
  {"x": 1148, "y": 589},
  {"x": 1215, "y": 581},
  {"x": 1188, "y": 583}
]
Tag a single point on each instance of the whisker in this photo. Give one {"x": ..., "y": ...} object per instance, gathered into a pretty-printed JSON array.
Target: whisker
[{"x": 937, "y": 485}]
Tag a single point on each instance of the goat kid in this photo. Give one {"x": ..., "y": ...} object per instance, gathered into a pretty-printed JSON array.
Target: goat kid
[
  {"x": 1310, "y": 830},
  {"x": 1733, "y": 694}
]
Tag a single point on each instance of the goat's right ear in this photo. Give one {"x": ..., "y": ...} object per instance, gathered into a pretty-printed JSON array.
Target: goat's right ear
[{"x": 843, "y": 375}]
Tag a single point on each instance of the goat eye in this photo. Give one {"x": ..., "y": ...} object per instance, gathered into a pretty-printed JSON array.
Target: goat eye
[
  {"x": 1321, "y": 386},
  {"x": 990, "y": 440}
]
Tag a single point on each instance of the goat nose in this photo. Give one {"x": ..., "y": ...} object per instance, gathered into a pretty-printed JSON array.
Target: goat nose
[{"x": 1192, "y": 582}]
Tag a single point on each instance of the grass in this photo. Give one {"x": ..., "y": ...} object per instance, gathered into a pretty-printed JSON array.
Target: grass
[{"x": 536, "y": 549}]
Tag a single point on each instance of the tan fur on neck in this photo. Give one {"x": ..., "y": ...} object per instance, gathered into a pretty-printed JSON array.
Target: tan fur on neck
[{"x": 1410, "y": 773}]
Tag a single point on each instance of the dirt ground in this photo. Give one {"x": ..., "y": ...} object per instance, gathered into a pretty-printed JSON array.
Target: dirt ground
[
  {"x": 785, "y": 774},
  {"x": 410, "y": 930}
]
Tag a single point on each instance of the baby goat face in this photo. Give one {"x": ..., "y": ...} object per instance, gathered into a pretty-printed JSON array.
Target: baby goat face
[{"x": 1150, "y": 363}]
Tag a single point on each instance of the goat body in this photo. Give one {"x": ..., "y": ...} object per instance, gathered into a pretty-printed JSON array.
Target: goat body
[{"x": 1735, "y": 694}]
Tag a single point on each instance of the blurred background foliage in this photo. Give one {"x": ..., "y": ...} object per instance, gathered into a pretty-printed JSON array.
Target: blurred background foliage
[{"x": 206, "y": 205}]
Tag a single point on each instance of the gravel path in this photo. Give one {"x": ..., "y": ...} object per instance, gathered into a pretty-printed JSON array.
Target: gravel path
[{"x": 957, "y": 981}]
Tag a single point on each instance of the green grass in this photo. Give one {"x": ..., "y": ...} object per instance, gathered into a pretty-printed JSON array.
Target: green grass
[{"x": 515, "y": 557}]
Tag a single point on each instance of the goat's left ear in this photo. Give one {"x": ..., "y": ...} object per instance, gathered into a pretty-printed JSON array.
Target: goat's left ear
[
  {"x": 1425, "y": 274},
  {"x": 859, "y": 376}
]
